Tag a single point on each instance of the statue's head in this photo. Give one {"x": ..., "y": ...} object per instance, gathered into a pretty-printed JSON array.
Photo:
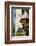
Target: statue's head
[
  {"x": 24, "y": 20},
  {"x": 25, "y": 23}
]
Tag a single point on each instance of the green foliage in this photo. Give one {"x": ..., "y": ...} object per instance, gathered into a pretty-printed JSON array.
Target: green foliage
[{"x": 20, "y": 34}]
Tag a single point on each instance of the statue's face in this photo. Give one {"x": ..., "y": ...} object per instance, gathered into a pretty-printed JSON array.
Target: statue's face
[{"x": 23, "y": 21}]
